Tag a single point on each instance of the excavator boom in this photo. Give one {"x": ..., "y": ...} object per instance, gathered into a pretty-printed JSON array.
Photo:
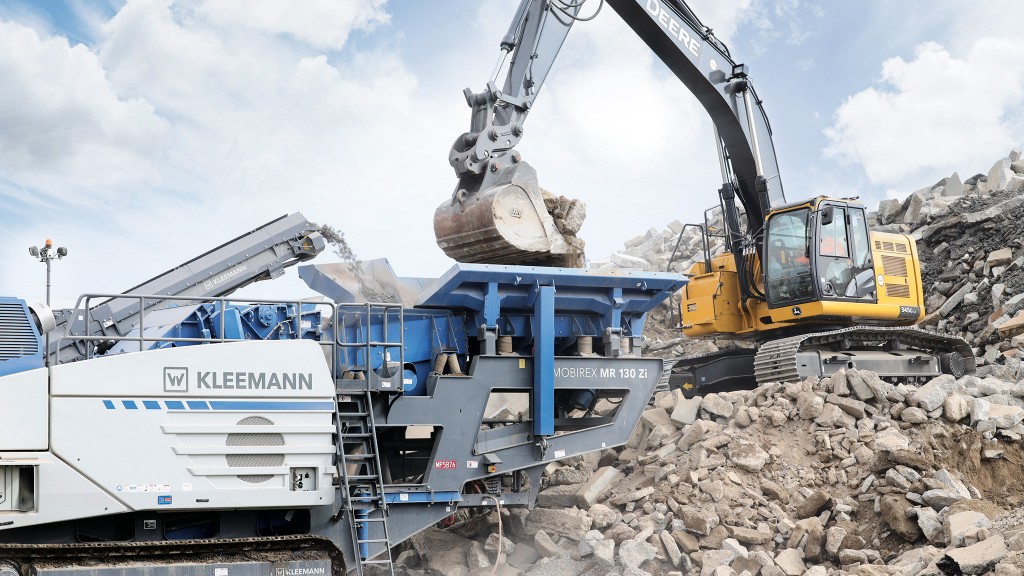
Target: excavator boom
[{"x": 498, "y": 213}]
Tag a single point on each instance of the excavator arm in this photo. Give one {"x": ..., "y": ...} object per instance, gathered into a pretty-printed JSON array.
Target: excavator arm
[{"x": 497, "y": 212}]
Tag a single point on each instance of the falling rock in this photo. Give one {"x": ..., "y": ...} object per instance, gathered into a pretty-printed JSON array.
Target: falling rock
[
  {"x": 976, "y": 558},
  {"x": 791, "y": 561},
  {"x": 749, "y": 457}
]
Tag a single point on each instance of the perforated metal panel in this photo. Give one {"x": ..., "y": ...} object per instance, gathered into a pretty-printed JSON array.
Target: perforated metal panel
[
  {"x": 894, "y": 266},
  {"x": 255, "y": 460},
  {"x": 897, "y": 290},
  {"x": 17, "y": 338},
  {"x": 891, "y": 247}
]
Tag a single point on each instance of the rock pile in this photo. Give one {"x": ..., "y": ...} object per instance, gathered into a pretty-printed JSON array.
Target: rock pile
[
  {"x": 970, "y": 241},
  {"x": 844, "y": 475},
  {"x": 848, "y": 474}
]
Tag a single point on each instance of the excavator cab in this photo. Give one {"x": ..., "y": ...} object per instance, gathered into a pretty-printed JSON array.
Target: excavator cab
[{"x": 818, "y": 250}]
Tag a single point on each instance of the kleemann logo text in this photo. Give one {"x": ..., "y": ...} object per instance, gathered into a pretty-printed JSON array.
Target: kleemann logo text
[
  {"x": 176, "y": 380},
  {"x": 300, "y": 571}
]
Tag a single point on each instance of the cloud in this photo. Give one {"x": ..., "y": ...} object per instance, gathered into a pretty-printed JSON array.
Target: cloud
[
  {"x": 174, "y": 133},
  {"x": 323, "y": 24},
  {"x": 792, "y": 22},
  {"x": 67, "y": 133},
  {"x": 933, "y": 114},
  {"x": 722, "y": 16},
  {"x": 196, "y": 128}
]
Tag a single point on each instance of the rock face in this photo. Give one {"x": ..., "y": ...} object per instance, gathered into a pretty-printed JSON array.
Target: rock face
[{"x": 845, "y": 474}]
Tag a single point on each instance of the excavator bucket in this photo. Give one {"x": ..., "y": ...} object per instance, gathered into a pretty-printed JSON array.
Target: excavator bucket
[{"x": 505, "y": 224}]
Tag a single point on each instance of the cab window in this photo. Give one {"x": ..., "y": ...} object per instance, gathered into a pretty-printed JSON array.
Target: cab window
[
  {"x": 843, "y": 259},
  {"x": 787, "y": 253}
]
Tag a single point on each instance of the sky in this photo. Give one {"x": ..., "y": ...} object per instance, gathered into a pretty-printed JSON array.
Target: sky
[{"x": 142, "y": 133}]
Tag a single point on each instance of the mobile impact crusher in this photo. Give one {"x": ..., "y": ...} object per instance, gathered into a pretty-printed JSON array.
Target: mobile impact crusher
[{"x": 173, "y": 430}]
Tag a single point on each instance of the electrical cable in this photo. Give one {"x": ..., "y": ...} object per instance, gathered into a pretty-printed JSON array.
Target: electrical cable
[
  {"x": 501, "y": 534},
  {"x": 564, "y": 6}
]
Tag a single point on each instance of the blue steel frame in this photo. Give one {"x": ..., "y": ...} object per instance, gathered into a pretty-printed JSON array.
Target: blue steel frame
[{"x": 551, "y": 301}]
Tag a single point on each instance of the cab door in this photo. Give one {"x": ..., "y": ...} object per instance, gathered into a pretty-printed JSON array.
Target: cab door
[{"x": 843, "y": 263}]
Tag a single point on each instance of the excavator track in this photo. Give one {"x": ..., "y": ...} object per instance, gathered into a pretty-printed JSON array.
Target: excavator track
[
  {"x": 894, "y": 352},
  {"x": 29, "y": 559},
  {"x": 778, "y": 360}
]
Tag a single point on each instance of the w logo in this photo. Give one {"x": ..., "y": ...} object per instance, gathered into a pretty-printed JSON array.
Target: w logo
[{"x": 175, "y": 379}]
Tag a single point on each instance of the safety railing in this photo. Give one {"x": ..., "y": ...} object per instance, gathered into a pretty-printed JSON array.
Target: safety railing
[
  {"x": 88, "y": 343},
  {"x": 356, "y": 326}
]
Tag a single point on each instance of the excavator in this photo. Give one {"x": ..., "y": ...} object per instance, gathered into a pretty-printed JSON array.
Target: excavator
[{"x": 806, "y": 282}]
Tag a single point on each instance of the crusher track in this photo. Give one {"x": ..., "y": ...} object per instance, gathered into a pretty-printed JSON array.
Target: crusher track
[{"x": 219, "y": 551}]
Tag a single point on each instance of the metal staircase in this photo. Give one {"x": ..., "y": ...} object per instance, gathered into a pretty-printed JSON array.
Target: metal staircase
[
  {"x": 361, "y": 485},
  {"x": 370, "y": 365}
]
